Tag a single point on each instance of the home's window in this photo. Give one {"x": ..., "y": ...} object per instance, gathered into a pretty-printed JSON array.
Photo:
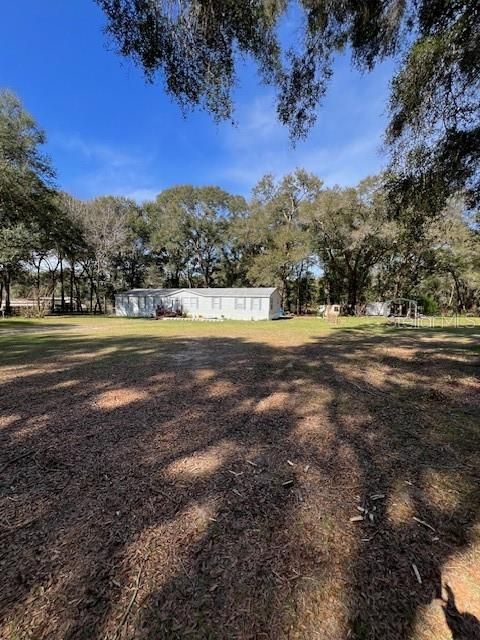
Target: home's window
[
  {"x": 216, "y": 303},
  {"x": 141, "y": 302},
  {"x": 240, "y": 303},
  {"x": 193, "y": 303},
  {"x": 255, "y": 304}
]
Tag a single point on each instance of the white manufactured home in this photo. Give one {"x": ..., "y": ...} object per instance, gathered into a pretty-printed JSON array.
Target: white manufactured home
[{"x": 252, "y": 303}]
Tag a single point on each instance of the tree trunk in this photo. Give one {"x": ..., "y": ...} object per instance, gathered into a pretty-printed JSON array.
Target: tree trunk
[
  {"x": 38, "y": 286},
  {"x": 62, "y": 286},
  {"x": 133, "y": 276},
  {"x": 395, "y": 289},
  {"x": 452, "y": 293},
  {"x": 299, "y": 291},
  {"x": 352, "y": 295},
  {"x": 72, "y": 278},
  {"x": 6, "y": 283},
  {"x": 91, "y": 294},
  {"x": 8, "y": 307},
  {"x": 54, "y": 282},
  {"x": 206, "y": 276},
  {"x": 299, "y": 296},
  {"x": 97, "y": 287},
  {"x": 98, "y": 304},
  {"x": 78, "y": 296},
  {"x": 285, "y": 294},
  {"x": 458, "y": 289},
  {"x": 326, "y": 290}
]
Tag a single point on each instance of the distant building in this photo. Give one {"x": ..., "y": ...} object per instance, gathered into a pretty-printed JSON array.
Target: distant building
[
  {"x": 252, "y": 303},
  {"x": 398, "y": 307},
  {"x": 22, "y": 306},
  {"x": 377, "y": 308}
]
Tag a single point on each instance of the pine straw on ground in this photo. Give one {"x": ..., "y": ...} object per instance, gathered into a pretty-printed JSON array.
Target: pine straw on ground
[{"x": 219, "y": 487}]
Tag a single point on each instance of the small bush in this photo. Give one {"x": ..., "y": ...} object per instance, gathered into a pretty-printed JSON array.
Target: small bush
[{"x": 429, "y": 305}]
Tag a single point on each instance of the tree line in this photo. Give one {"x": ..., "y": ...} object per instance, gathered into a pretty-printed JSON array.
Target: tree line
[{"x": 318, "y": 244}]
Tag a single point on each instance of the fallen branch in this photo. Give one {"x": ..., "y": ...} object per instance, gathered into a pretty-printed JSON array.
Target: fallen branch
[
  {"x": 164, "y": 494},
  {"x": 130, "y": 605},
  {"x": 12, "y": 460},
  {"x": 371, "y": 537},
  {"x": 425, "y": 524},
  {"x": 185, "y": 570},
  {"x": 363, "y": 389},
  {"x": 417, "y": 573}
]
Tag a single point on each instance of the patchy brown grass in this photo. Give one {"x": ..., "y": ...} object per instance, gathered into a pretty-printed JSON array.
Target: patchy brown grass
[{"x": 198, "y": 485}]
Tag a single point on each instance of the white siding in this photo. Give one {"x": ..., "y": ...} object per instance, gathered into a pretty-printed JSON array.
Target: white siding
[
  {"x": 276, "y": 309},
  {"x": 197, "y": 305},
  {"x": 140, "y": 306}
]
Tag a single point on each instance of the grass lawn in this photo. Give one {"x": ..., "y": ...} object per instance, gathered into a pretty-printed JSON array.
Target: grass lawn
[{"x": 238, "y": 480}]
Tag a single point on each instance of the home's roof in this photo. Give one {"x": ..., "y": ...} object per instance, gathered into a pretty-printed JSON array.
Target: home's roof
[
  {"x": 224, "y": 292},
  {"x": 149, "y": 292}
]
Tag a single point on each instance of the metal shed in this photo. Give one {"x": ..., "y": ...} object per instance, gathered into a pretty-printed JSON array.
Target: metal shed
[{"x": 246, "y": 303}]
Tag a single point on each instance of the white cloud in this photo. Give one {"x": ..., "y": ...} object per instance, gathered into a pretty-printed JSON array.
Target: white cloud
[
  {"x": 343, "y": 146},
  {"x": 105, "y": 169},
  {"x": 260, "y": 145},
  {"x": 94, "y": 151},
  {"x": 258, "y": 121}
]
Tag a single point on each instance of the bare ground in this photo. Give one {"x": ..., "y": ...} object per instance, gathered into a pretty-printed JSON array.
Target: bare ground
[{"x": 204, "y": 487}]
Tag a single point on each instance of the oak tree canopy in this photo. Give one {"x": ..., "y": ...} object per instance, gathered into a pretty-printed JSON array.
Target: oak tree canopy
[{"x": 434, "y": 130}]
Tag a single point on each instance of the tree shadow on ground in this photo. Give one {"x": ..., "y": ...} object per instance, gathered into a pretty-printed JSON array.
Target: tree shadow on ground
[
  {"x": 204, "y": 487},
  {"x": 20, "y": 326},
  {"x": 463, "y": 626}
]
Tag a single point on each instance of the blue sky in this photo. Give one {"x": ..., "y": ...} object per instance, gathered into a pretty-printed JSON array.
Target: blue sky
[{"x": 111, "y": 133}]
